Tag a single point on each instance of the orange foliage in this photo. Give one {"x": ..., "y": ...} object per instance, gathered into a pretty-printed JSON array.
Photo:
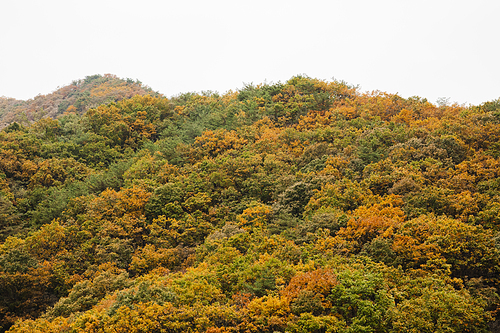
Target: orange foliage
[
  {"x": 320, "y": 282},
  {"x": 254, "y": 217},
  {"x": 219, "y": 141}
]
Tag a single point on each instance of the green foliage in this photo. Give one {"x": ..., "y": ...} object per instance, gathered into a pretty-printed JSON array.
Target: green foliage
[
  {"x": 361, "y": 299},
  {"x": 88, "y": 293},
  {"x": 430, "y": 305}
]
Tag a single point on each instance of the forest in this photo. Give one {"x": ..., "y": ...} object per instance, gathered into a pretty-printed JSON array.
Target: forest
[{"x": 297, "y": 206}]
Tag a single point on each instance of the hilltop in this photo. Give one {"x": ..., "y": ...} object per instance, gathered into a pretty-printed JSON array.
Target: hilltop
[{"x": 79, "y": 96}]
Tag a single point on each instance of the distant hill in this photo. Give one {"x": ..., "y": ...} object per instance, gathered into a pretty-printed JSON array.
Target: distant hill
[{"x": 77, "y": 97}]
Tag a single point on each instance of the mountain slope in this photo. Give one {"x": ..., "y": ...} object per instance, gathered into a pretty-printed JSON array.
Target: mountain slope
[{"x": 303, "y": 206}]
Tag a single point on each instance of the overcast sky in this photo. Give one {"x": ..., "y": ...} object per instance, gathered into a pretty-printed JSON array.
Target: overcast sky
[{"x": 430, "y": 49}]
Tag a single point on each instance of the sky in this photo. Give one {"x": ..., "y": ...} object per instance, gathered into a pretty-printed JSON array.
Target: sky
[{"x": 432, "y": 49}]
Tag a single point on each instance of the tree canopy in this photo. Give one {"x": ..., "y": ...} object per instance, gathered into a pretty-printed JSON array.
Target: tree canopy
[{"x": 302, "y": 206}]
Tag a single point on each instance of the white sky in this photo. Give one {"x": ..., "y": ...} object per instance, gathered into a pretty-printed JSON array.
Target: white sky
[{"x": 431, "y": 49}]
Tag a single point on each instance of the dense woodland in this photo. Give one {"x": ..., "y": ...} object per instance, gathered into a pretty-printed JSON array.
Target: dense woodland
[{"x": 304, "y": 206}]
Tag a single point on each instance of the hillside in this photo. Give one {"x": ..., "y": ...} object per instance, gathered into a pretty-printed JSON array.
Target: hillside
[
  {"x": 78, "y": 97},
  {"x": 304, "y": 206}
]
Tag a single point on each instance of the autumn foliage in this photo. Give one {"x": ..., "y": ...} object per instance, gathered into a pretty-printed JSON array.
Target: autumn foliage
[{"x": 304, "y": 206}]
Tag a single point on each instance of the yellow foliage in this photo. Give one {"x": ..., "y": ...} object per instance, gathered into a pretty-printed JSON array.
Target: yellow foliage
[
  {"x": 334, "y": 166},
  {"x": 149, "y": 257},
  {"x": 268, "y": 312},
  {"x": 254, "y": 217},
  {"x": 50, "y": 240}
]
